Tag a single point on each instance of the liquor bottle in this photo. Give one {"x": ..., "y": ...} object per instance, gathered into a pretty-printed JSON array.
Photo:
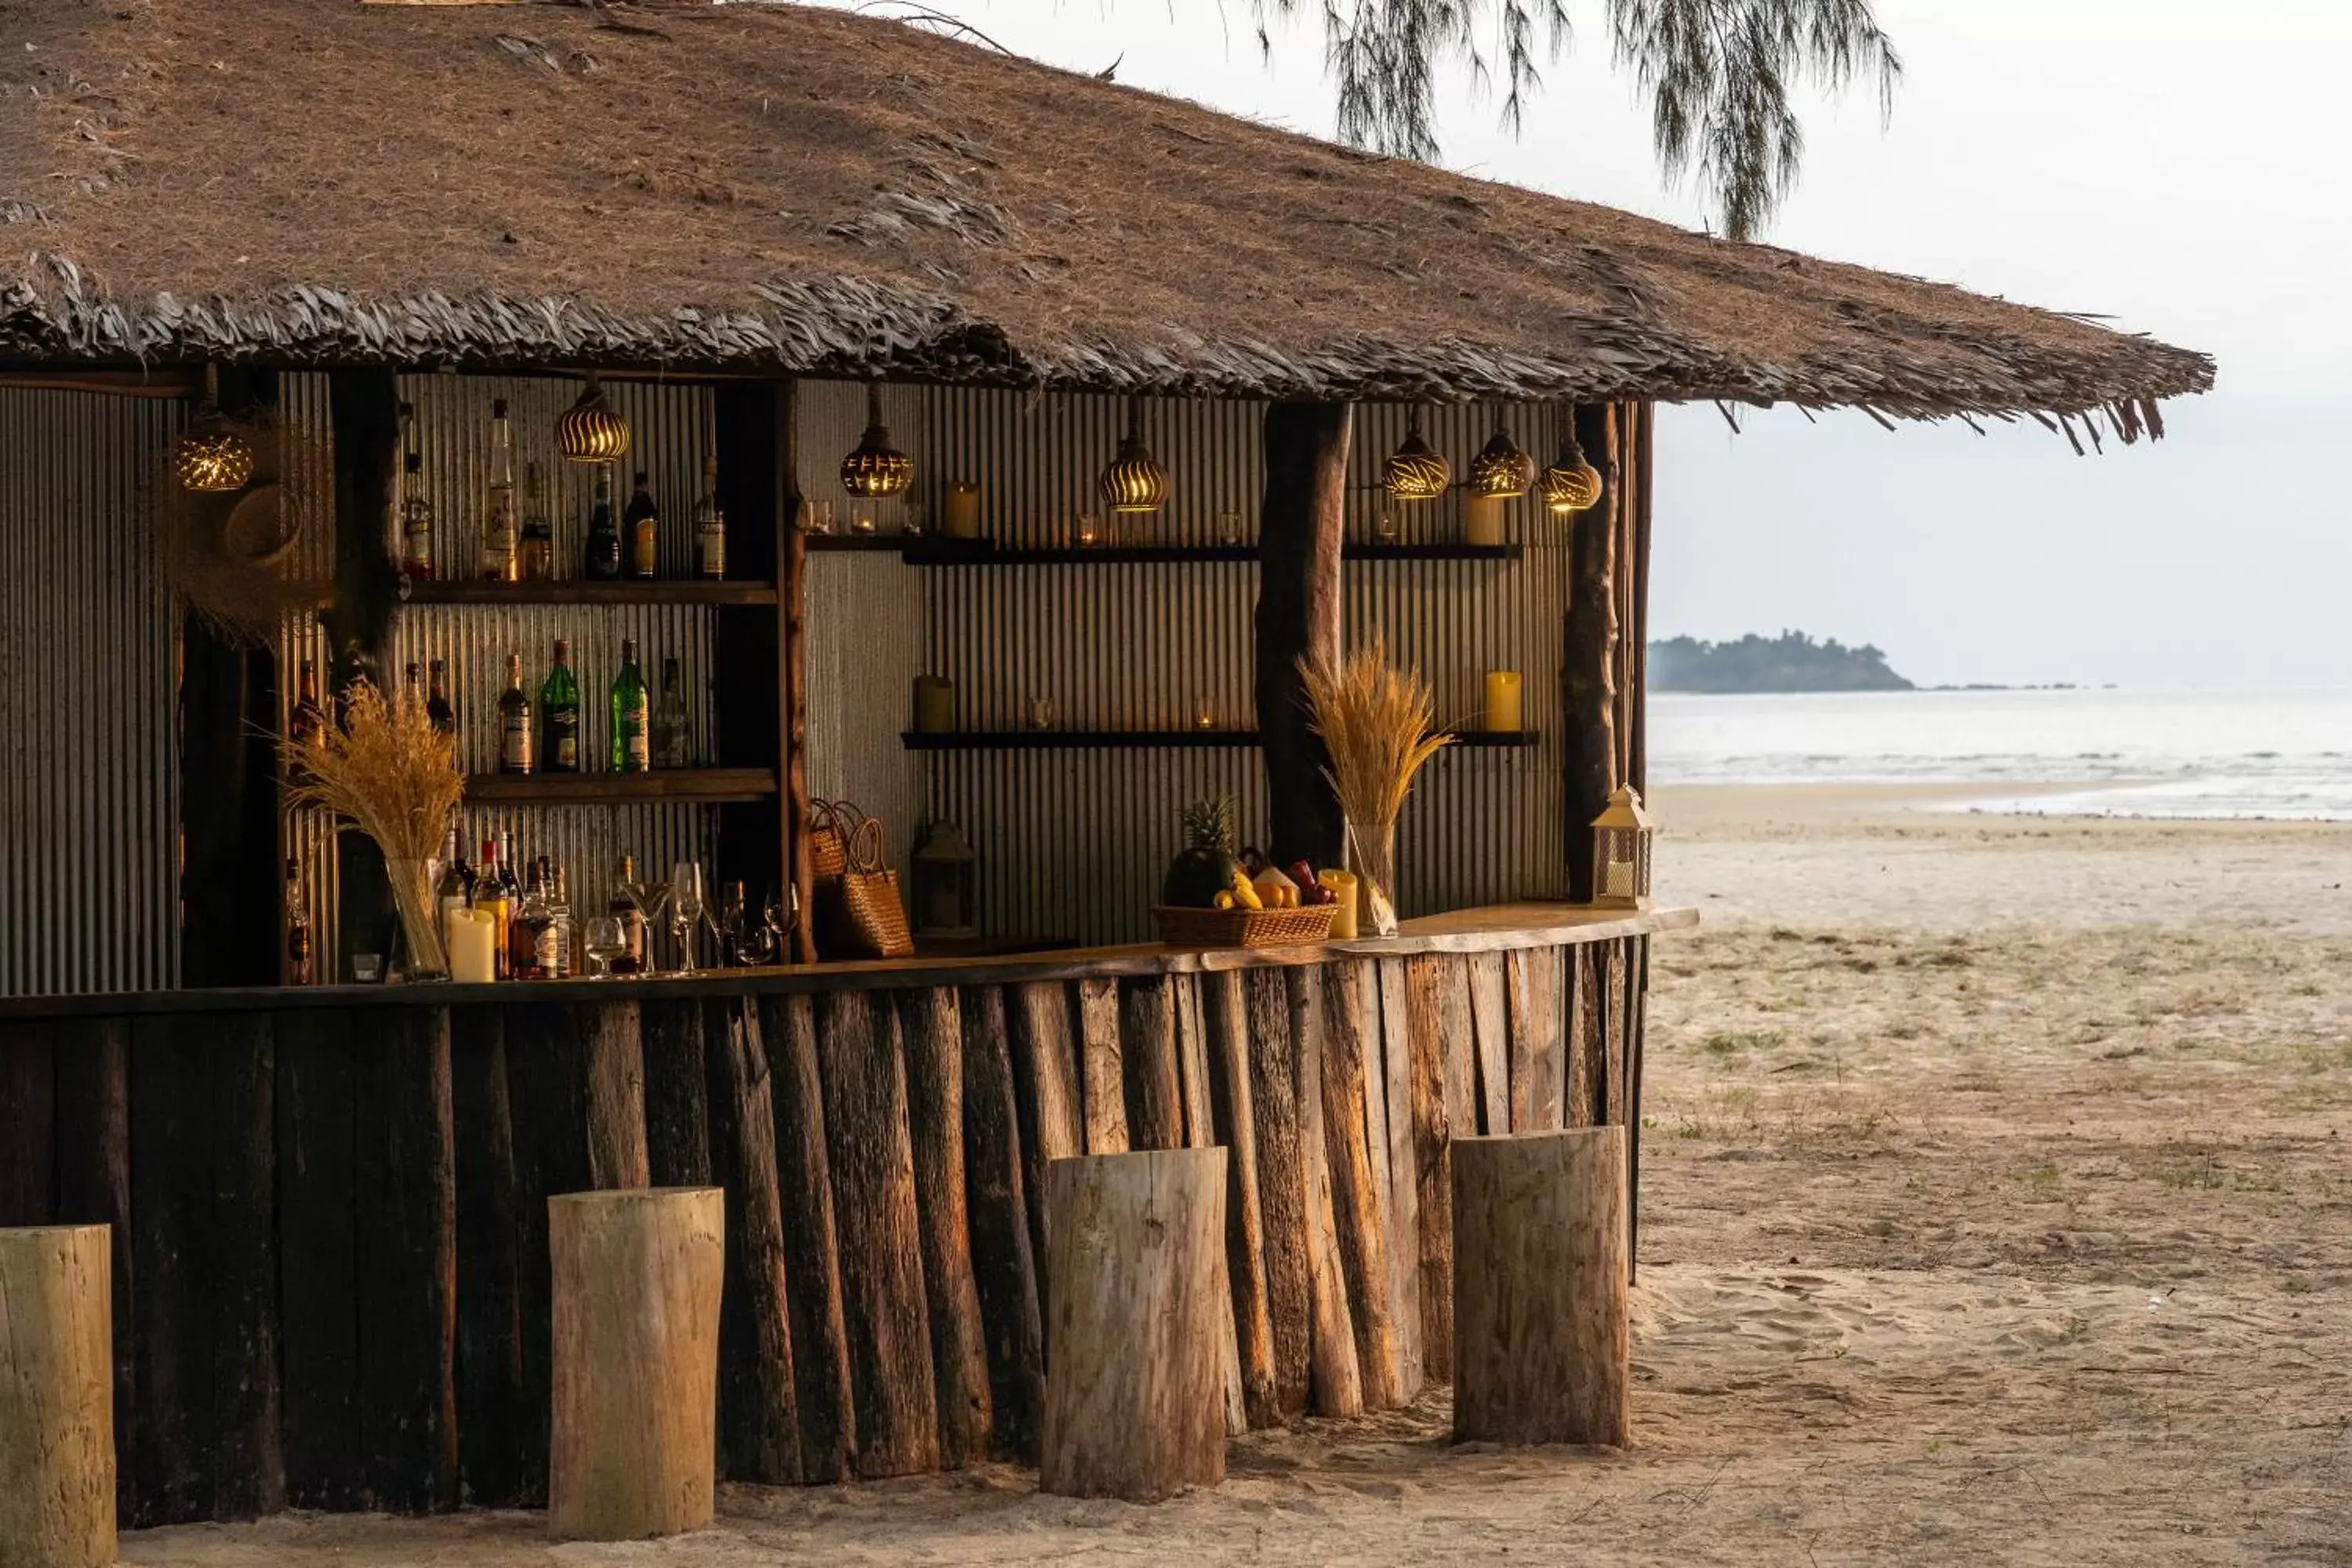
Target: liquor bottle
[
  {"x": 298, "y": 927},
  {"x": 641, "y": 525},
  {"x": 411, "y": 686},
  {"x": 528, "y": 947},
  {"x": 500, "y": 541},
  {"x": 508, "y": 878},
  {"x": 307, "y": 719},
  {"x": 623, "y": 906},
  {"x": 602, "y": 558},
  {"x": 515, "y": 735},
  {"x": 559, "y": 715},
  {"x": 535, "y": 559},
  {"x": 415, "y": 520},
  {"x": 455, "y": 891},
  {"x": 491, "y": 898},
  {"x": 632, "y": 751},
  {"x": 559, "y": 907},
  {"x": 442, "y": 717},
  {"x": 709, "y": 525},
  {"x": 667, "y": 732}
]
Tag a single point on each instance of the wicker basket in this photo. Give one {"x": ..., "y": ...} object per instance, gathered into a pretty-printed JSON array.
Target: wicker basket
[{"x": 1181, "y": 927}]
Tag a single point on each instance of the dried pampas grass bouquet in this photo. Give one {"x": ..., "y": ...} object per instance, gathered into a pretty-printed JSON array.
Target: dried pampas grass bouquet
[
  {"x": 386, "y": 771},
  {"x": 1375, "y": 721}
]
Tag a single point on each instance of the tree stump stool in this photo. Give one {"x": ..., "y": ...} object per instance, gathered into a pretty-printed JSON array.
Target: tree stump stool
[
  {"x": 637, "y": 1277},
  {"x": 56, "y": 1397},
  {"x": 1541, "y": 1344},
  {"x": 1135, "y": 1382}
]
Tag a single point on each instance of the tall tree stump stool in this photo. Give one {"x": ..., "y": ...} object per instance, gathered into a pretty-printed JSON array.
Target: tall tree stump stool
[
  {"x": 1134, "y": 1268},
  {"x": 1541, "y": 1345},
  {"x": 56, "y": 1397},
  {"x": 636, "y": 1275}
]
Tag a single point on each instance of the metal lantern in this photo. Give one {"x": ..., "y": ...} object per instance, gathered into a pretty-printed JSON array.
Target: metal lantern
[
  {"x": 590, "y": 432},
  {"x": 946, "y": 895},
  {"x": 1134, "y": 482},
  {"x": 1620, "y": 853},
  {"x": 213, "y": 454},
  {"x": 876, "y": 468},
  {"x": 1414, "y": 471},
  {"x": 1571, "y": 484},
  {"x": 1500, "y": 469}
]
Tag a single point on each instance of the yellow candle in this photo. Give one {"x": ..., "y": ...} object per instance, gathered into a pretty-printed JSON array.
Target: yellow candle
[
  {"x": 1482, "y": 520},
  {"x": 1343, "y": 917},
  {"x": 964, "y": 509},
  {"x": 934, "y": 704},
  {"x": 473, "y": 946},
  {"x": 1503, "y": 713}
]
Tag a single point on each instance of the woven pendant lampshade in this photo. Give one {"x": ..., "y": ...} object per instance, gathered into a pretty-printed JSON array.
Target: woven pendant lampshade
[
  {"x": 1134, "y": 482},
  {"x": 1500, "y": 469},
  {"x": 876, "y": 468},
  {"x": 1413, "y": 472},
  {"x": 213, "y": 454},
  {"x": 1571, "y": 484},
  {"x": 590, "y": 432}
]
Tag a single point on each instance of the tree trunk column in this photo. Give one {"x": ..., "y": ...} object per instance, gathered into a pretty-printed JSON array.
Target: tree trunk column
[
  {"x": 1299, "y": 605},
  {"x": 1541, "y": 1343},
  {"x": 1135, "y": 1380},
  {"x": 56, "y": 1397},
  {"x": 638, "y": 1277}
]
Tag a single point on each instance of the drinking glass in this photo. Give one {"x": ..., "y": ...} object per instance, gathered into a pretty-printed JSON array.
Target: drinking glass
[
  {"x": 732, "y": 934},
  {"x": 817, "y": 518},
  {"x": 1040, "y": 712},
  {"x": 685, "y": 910},
  {"x": 605, "y": 942},
  {"x": 1229, "y": 527},
  {"x": 1385, "y": 527},
  {"x": 911, "y": 519}
]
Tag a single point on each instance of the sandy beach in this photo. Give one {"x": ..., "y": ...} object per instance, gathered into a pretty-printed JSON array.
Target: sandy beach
[{"x": 1997, "y": 1205}]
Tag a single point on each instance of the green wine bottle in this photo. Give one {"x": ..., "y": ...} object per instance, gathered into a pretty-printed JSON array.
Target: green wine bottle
[
  {"x": 632, "y": 751},
  {"x": 559, "y": 715}
]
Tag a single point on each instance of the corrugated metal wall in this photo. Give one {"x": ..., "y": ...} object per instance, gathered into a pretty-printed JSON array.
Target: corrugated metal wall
[
  {"x": 89, "y": 797},
  {"x": 1072, "y": 842}
]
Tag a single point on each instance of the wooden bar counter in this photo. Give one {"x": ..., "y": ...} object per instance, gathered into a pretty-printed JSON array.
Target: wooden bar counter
[{"x": 330, "y": 1204}]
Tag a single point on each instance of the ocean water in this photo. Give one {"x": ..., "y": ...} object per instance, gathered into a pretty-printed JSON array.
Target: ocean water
[{"x": 2281, "y": 754}]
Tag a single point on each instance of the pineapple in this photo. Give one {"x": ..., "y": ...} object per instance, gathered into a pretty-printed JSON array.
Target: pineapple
[{"x": 1207, "y": 866}]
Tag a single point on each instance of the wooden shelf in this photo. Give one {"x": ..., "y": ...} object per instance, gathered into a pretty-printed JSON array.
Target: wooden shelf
[
  {"x": 683, "y": 590},
  {"x": 702, "y": 784},
  {"x": 825, "y": 541},
  {"x": 931, "y": 551},
  {"x": 1109, "y": 740}
]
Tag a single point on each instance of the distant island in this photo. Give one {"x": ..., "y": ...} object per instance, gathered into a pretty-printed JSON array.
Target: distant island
[{"x": 1790, "y": 662}]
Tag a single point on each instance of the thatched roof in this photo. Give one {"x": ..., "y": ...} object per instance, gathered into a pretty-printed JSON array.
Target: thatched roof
[{"x": 779, "y": 188}]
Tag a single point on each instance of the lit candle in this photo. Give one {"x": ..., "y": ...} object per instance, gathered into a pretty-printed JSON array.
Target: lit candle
[
  {"x": 1482, "y": 520},
  {"x": 473, "y": 946},
  {"x": 1343, "y": 914},
  {"x": 964, "y": 509},
  {"x": 934, "y": 705},
  {"x": 1503, "y": 713},
  {"x": 1088, "y": 533},
  {"x": 864, "y": 523}
]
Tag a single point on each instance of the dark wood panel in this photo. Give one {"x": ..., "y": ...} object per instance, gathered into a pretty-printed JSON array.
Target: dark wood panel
[
  {"x": 546, "y": 1104},
  {"x": 247, "y": 1461},
  {"x": 28, "y": 1116},
  {"x": 1004, "y": 1266},
  {"x": 318, "y": 1280},
  {"x": 492, "y": 1461},
  {"x": 404, "y": 1172},
  {"x": 171, "y": 1240},
  {"x": 678, "y": 1135},
  {"x": 708, "y": 784}
]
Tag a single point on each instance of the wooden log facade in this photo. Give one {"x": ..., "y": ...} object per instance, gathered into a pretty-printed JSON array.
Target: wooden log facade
[{"x": 331, "y": 1281}]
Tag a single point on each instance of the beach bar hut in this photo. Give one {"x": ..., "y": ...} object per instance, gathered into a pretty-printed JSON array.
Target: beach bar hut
[{"x": 1044, "y": 424}]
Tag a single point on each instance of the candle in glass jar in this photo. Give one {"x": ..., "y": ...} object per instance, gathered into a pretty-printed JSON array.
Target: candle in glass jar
[
  {"x": 963, "y": 511},
  {"x": 1503, "y": 713},
  {"x": 1482, "y": 520},
  {"x": 934, "y": 704}
]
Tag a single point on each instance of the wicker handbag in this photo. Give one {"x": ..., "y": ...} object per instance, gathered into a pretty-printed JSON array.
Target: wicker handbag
[
  {"x": 830, "y": 824},
  {"x": 859, "y": 912}
]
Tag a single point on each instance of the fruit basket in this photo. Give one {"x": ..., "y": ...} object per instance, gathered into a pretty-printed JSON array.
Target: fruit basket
[{"x": 1181, "y": 927}]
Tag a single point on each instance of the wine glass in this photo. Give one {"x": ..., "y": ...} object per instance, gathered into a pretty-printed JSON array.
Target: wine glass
[
  {"x": 605, "y": 942},
  {"x": 685, "y": 910},
  {"x": 731, "y": 934}
]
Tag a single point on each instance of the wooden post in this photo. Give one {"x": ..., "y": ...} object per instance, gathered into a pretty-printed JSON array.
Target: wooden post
[
  {"x": 636, "y": 1282},
  {"x": 1101, "y": 1069},
  {"x": 1589, "y": 670},
  {"x": 1300, "y": 605},
  {"x": 759, "y": 1407},
  {"x": 1135, "y": 1391},
  {"x": 363, "y": 414},
  {"x": 930, "y": 1026},
  {"x": 828, "y": 1424},
  {"x": 1226, "y": 1020},
  {"x": 1541, "y": 1346},
  {"x": 56, "y": 1422},
  {"x": 1005, "y": 1264},
  {"x": 1155, "y": 1091},
  {"x": 1334, "y": 1380},
  {"x": 1360, "y": 1195}
]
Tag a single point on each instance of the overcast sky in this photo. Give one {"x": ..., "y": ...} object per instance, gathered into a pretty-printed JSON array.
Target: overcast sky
[{"x": 2179, "y": 166}]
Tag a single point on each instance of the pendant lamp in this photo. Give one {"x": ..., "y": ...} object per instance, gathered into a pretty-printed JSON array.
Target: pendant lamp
[
  {"x": 1413, "y": 472},
  {"x": 1134, "y": 482},
  {"x": 1572, "y": 484},
  {"x": 1500, "y": 469},
  {"x": 589, "y": 431},
  {"x": 876, "y": 468},
  {"x": 213, "y": 454}
]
